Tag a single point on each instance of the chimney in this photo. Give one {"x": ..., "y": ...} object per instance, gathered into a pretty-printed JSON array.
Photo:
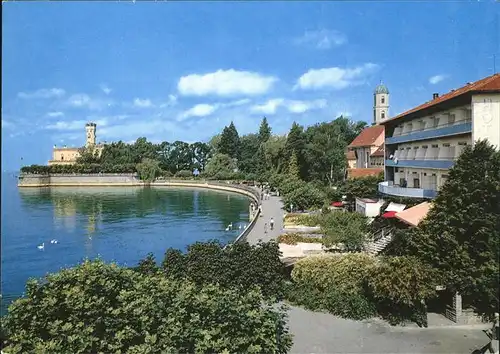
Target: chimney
[{"x": 435, "y": 95}]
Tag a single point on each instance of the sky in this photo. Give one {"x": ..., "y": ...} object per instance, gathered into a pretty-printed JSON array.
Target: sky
[{"x": 182, "y": 71}]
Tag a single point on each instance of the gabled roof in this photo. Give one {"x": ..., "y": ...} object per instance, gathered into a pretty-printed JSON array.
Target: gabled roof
[
  {"x": 379, "y": 151},
  {"x": 488, "y": 84},
  {"x": 414, "y": 215},
  {"x": 350, "y": 155},
  {"x": 367, "y": 136},
  {"x": 363, "y": 172}
]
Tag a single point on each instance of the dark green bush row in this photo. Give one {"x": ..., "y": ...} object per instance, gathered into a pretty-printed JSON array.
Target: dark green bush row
[
  {"x": 241, "y": 266},
  {"x": 79, "y": 168}
]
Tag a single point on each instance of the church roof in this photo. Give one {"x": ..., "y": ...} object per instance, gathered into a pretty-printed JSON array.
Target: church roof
[{"x": 381, "y": 88}]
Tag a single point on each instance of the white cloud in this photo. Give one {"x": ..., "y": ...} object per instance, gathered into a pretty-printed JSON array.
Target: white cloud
[
  {"x": 82, "y": 100},
  {"x": 304, "y": 106},
  {"x": 238, "y": 103},
  {"x": 436, "y": 79},
  {"x": 105, "y": 89},
  {"x": 270, "y": 107},
  {"x": 225, "y": 83},
  {"x": 200, "y": 110},
  {"x": 172, "y": 101},
  {"x": 322, "y": 39},
  {"x": 43, "y": 93},
  {"x": 335, "y": 77},
  {"x": 293, "y": 106},
  {"x": 132, "y": 130},
  {"x": 140, "y": 103},
  {"x": 55, "y": 114},
  {"x": 73, "y": 125}
]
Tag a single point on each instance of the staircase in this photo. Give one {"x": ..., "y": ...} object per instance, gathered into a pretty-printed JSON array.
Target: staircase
[{"x": 383, "y": 237}]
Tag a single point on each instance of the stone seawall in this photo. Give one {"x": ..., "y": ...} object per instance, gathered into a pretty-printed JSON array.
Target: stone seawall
[{"x": 79, "y": 180}]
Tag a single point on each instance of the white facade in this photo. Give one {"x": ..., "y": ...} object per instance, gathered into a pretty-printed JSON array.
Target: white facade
[
  {"x": 369, "y": 208},
  {"x": 486, "y": 122},
  {"x": 380, "y": 106}
]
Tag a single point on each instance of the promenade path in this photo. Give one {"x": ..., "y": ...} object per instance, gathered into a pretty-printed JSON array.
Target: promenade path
[{"x": 316, "y": 332}]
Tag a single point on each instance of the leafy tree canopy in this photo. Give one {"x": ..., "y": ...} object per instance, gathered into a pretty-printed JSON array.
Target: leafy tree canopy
[{"x": 97, "y": 307}]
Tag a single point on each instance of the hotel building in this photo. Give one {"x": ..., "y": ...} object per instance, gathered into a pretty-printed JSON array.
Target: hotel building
[{"x": 422, "y": 144}]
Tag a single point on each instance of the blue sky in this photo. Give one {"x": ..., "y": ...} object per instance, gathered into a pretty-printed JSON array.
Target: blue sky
[{"x": 181, "y": 71}]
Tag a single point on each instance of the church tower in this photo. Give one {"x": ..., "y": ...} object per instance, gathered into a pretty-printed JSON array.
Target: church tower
[
  {"x": 380, "y": 104},
  {"x": 90, "y": 129}
]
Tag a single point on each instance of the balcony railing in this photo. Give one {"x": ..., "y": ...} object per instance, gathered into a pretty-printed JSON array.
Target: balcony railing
[
  {"x": 389, "y": 188},
  {"x": 427, "y": 163},
  {"x": 461, "y": 127}
]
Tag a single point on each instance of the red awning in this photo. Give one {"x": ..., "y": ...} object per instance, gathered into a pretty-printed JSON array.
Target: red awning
[
  {"x": 337, "y": 204},
  {"x": 389, "y": 214}
]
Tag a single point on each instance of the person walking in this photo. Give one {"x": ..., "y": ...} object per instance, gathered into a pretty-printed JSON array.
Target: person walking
[
  {"x": 271, "y": 223},
  {"x": 265, "y": 228}
]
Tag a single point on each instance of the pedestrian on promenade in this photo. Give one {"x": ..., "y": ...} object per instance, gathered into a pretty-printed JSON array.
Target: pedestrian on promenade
[
  {"x": 272, "y": 223},
  {"x": 265, "y": 228}
]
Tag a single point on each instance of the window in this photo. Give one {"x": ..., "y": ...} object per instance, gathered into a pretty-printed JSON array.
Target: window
[
  {"x": 416, "y": 183},
  {"x": 415, "y": 147},
  {"x": 383, "y": 115},
  {"x": 382, "y": 100},
  {"x": 425, "y": 146},
  {"x": 62, "y": 157},
  {"x": 446, "y": 145},
  {"x": 434, "y": 146},
  {"x": 462, "y": 143}
]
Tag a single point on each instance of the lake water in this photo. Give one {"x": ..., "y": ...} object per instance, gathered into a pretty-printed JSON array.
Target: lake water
[{"x": 119, "y": 224}]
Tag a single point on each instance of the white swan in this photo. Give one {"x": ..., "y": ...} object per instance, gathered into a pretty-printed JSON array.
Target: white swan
[
  {"x": 227, "y": 228},
  {"x": 230, "y": 226},
  {"x": 41, "y": 247},
  {"x": 53, "y": 241},
  {"x": 239, "y": 227}
]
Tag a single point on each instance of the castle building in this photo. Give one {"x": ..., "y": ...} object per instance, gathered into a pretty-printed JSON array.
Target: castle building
[
  {"x": 365, "y": 154},
  {"x": 68, "y": 155},
  {"x": 422, "y": 144}
]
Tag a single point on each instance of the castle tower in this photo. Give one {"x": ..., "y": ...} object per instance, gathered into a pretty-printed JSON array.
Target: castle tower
[
  {"x": 90, "y": 129},
  {"x": 380, "y": 104}
]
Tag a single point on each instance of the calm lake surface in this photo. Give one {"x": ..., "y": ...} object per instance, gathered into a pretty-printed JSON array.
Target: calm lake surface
[{"x": 119, "y": 224}]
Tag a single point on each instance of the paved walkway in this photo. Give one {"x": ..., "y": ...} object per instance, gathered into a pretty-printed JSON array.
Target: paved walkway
[
  {"x": 271, "y": 208},
  {"x": 316, "y": 332}
]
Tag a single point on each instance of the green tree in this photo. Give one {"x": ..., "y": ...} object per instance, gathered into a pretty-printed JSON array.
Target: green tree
[
  {"x": 363, "y": 187},
  {"x": 148, "y": 170},
  {"x": 296, "y": 143},
  {"x": 264, "y": 131},
  {"x": 230, "y": 142},
  {"x": 88, "y": 155},
  {"x": 349, "y": 229},
  {"x": 97, "y": 307},
  {"x": 220, "y": 165},
  {"x": 293, "y": 167},
  {"x": 460, "y": 236},
  {"x": 201, "y": 154},
  {"x": 248, "y": 162}
]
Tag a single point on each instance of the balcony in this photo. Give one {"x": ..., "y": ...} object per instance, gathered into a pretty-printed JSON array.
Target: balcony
[
  {"x": 439, "y": 164},
  {"x": 389, "y": 188},
  {"x": 463, "y": 127}
]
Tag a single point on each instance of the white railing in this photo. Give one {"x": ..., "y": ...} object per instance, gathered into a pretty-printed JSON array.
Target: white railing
[{"x": 388, "y": 187}]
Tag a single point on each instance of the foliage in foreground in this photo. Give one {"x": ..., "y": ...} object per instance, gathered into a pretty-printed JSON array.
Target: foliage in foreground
[
  {"x": 240, "y": 266},
  {"x": 98, "y": 307}
]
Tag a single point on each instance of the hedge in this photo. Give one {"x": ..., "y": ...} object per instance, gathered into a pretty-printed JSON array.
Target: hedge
[
  {"x": 79, "y": 168},
  {"x": 103, "y": 308}
]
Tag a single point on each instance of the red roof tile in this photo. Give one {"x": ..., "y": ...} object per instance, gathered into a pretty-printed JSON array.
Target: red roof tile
[
  {"x": 488, "y": 84},
  {"x": 350, "y": 155},
  {"x": 379, "y": 151},
  {"x": 368, "y": 136},
  {"x": 363, "y": 172}
]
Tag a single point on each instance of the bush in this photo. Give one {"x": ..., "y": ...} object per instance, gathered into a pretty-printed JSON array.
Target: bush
[
  {"x": 79, "y": 168},
  {"x": 334, "y": 283},
  {"x": 240, "y": 266},
  {"x": 184, "y": 174},
  {"x": 400, "y": 285},
  {"x": 349, "y": 229},
  {"x": 293, "y": 238},
  {"x": 98, "y": 307}
]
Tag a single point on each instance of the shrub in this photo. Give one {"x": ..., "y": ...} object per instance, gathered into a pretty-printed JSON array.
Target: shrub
[
  {"x": 400, "y": 285},
  {"x": 238, "y": 266},
  {"x": 98, "y": 307},
  {"x": 293, "y": 238},
  {"x": 184, "y": 174},
  {"x": 349, "y": 229},
  {"x": 334, "y": 283}
]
